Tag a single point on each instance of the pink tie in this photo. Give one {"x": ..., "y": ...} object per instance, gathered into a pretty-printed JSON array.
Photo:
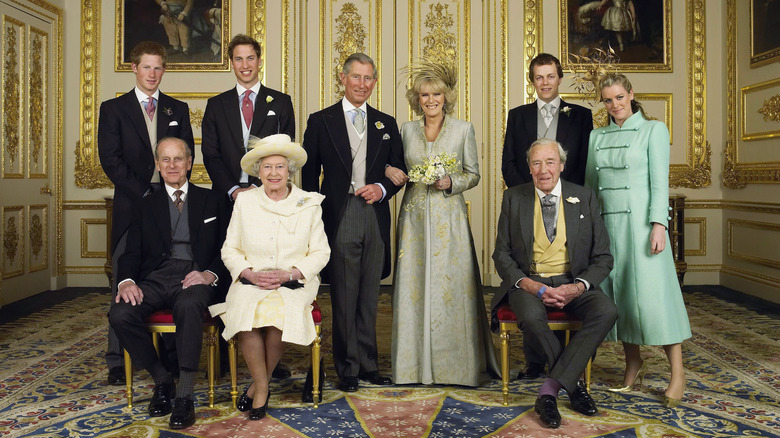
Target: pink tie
[
  {"x": 247, "y": 108},
  {"x": 150, "y": 107}
]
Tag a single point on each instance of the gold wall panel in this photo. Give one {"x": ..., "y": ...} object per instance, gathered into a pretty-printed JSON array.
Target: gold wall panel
[
  {"x": 347, "y": 27},
  {"x": 763, "y": 246},
  {"x": 255, "y": 24},
  {"x": 750, "y": 275},
  {"x": 38, "y": 237},
  {"x": 86, "y": 253},
  {"x": 38, "y": 104},
  {"x": 659, "y": 107},
  {"x": 717, "y": 204},
  {"x": 701, "y": 223},
  {"x": 440, "y": 31},
  {"x": 13, "y": 232},
  {"x": 762, "y": 110},
  {"x": 532, "y": 41},
  {"x": 14, "y": 50},
  {"x": 736, "y": 174}
]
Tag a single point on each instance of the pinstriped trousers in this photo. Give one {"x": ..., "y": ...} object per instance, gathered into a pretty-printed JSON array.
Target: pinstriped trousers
[{"x": 355, "y": 272}]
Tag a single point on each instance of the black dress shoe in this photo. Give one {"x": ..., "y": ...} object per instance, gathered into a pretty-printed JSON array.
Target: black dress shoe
[
  {"x": 183, "y": 414},
  {"x": 281, "y": 372},
  {"x": 375, "y": 378},
  {"x": 308, "y": 386},
  {"x": 582, "y": 402},
  {"x": 161, "y": 399},
  {"x": 534, "y": 371},
  {"x": 244, "y": 402},
  {"x": 258, "y": 413},
  {"x": 348, "y": 384},
  {"x": 116, "y": 376},
  {"x": 547, "y": 408}
]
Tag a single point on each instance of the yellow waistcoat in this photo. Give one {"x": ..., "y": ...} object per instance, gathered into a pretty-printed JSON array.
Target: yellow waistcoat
[{"x": 549, "y": 258}]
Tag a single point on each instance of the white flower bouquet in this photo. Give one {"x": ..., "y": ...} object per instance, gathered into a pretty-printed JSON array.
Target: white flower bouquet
[{"x": 434, "y": 167}]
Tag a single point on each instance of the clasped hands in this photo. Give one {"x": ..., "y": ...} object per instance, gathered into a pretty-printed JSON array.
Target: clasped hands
[
  {"x": 129, "y": 292},
  {"x": 270, "y": 280},
  {"x": 399, "y": 178},
  {"x": 556, "y": 297}
]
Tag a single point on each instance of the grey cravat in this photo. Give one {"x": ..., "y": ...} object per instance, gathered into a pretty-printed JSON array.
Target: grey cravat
[
  {"x": 548, "y": 215},
  {"x": 358, "y": 121},
  {"x": 548, "y": 113}
]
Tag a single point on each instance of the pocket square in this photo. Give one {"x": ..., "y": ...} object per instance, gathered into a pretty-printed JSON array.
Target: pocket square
[
  {"x": 173, "y": 123},
  {"x": 210, "y": 219},
  {"x": 271, "y": 113},
  {"x": 386, "y": 137}
]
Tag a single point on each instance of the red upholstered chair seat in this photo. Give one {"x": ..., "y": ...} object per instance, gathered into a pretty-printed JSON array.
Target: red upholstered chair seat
[{"x": 556, "y": 319}]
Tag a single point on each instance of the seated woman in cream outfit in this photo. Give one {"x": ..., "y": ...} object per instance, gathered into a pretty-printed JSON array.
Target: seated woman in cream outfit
[{"x": 275, "y": 241}]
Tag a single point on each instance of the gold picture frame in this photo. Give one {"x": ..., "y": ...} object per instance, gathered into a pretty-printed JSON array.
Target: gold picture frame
[
  {"x": 764, "y": 38},
  {"x": 645, "y": 46},
  {"x": 206, "y": 30}
]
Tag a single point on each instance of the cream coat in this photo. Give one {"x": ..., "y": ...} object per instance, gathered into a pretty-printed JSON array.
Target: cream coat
[{"x": 265, "y": 234}]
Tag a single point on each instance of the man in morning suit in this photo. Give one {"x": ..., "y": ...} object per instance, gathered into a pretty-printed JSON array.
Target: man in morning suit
[
  {"x": 249, "y": 108},
  {"x": 172, "y": 261},
  {"x": 552, "y": 251},
  {"x": 352, "y": 143},
  {"x": 548, "y": 117},
  {"x": 128, "y": 129}
]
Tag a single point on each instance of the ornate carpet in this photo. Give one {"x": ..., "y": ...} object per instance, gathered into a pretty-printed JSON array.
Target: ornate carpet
[{"x": 52, "y": 383}]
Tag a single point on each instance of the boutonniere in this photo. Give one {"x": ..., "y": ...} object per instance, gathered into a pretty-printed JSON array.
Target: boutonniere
[
  {"x": 168, "y": 111},
  {"x": 572, "y": 199},
  {"x": 566, "y": 110},
  {"x": 379, "y": 125},
  {"x": 303, "y": 201},
  {"x": 269, "y": 99}
]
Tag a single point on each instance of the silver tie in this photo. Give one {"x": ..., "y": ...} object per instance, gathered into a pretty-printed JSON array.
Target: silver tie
[
  {"x": 360, "y": 124},
  {"x": 548, "y": 215}
]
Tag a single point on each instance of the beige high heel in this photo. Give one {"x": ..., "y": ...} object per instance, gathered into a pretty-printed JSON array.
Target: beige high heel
[
  {"x": 639, "y": 375},
  {"x": 670, "y": 402}
]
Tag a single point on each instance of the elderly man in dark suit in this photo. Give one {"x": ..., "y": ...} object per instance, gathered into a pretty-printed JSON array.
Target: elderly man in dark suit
[
  {"x": 249, "y": 108},
  {"x": 552, "y": 250},
  {"x": 172, "y": 261},
  {"x": 352, "y": 143},
  {"x": 128, "y": 129}
]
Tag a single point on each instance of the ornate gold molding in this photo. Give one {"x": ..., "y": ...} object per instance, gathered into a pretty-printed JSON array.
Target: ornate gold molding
[
  {"x": 749, "y": 206},
  {"x": 13, "y": 31},
  {"x": 13, "y": 245},
  {"x": 696, "y": 173},
  {"x": 89, "y": 174},
  {"x": 732, "y": 224},
  {"x": 738, "y": 175},
  {"x": 771, "y": 109},
  {"x": 39, "y": 237},
  {"x": 351, "y": 39},
  {"x": 749, "y": 275},
  {"x": 255, "y": 24},
  {"x": 85, "y": 252},
  {"x": 440, "y": 43},
  {"x": 532, "y": 41},
  {"x": 702, "y": 223},
  {"x": 37, "y": 92}
]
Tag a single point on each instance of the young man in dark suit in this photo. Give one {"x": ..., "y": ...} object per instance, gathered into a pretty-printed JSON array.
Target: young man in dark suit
[
  {"x": 249, "y": 108},
  {"x": 548, "y": 117},
  {"x": 552, "y": 250},
  {"x": 172, "y": 261},
  {"x": 352, "y": 143},
  {"x": 128, "y": 129}
]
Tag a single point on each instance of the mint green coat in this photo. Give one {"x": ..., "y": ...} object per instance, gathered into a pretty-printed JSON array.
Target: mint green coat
[{"x": 628, "y": 167}]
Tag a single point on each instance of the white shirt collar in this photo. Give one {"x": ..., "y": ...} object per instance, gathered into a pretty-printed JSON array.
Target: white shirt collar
[
  {"x": 555, "y": 102},
  {"x": 555, "y": 191},
  {"x": 141, "y": 96},
  {"x": 347, "y": 106},
  {"x": 255, "y": 88},
  {"x": 183, "y": 188}
]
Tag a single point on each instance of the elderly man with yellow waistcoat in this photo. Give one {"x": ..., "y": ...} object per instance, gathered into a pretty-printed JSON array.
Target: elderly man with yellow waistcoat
[{"x": 552, "y": 251}]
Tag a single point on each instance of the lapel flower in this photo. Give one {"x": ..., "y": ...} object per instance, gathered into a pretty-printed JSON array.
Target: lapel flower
[
  {"x": 572, "y": 199},
  {"x": 379, "y": 125},
  {"x": 566, "y": 110},
  {"x": 168, "y": 111},
  {"x": 269, "y": 99},
  {"x": 303, "y": 201}
]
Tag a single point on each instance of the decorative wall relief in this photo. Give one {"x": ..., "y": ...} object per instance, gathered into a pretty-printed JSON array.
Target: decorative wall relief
[
  {"x": 13, "y": 75},
  {"x": 13, "y": 242},
  {"x": 38, "y": 258},
  {"x": 351, "y": 39},
  {"x": 440, "y": 45},
  {"x": 771, "y": 109},
  {"x": 37, "y": 104}
]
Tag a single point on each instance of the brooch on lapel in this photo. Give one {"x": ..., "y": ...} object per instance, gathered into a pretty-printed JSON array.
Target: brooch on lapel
[
  {"x": 386, "y": 136},
  {"x": 566, "y": 110},
  {"x": 303, "y": 201},
  {"x": 168, "y": 111},
  {"x": 379, "y": 125},
  {"x": 572, "y": 200},
  {"x": 269, "y": 99}
]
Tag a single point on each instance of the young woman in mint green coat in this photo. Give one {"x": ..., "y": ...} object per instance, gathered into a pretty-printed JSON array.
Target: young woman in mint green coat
[{"x": 628, "y": 167}]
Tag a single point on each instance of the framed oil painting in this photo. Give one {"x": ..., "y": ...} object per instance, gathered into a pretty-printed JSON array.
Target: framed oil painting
[
  {"x": 764, "y": 37},
  {"x": 637, "y": 32},
  {"x": 195, "y": 32}
]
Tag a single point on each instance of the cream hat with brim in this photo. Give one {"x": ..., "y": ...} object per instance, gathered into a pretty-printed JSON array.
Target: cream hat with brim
[{"x": 277, "y": 144}]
